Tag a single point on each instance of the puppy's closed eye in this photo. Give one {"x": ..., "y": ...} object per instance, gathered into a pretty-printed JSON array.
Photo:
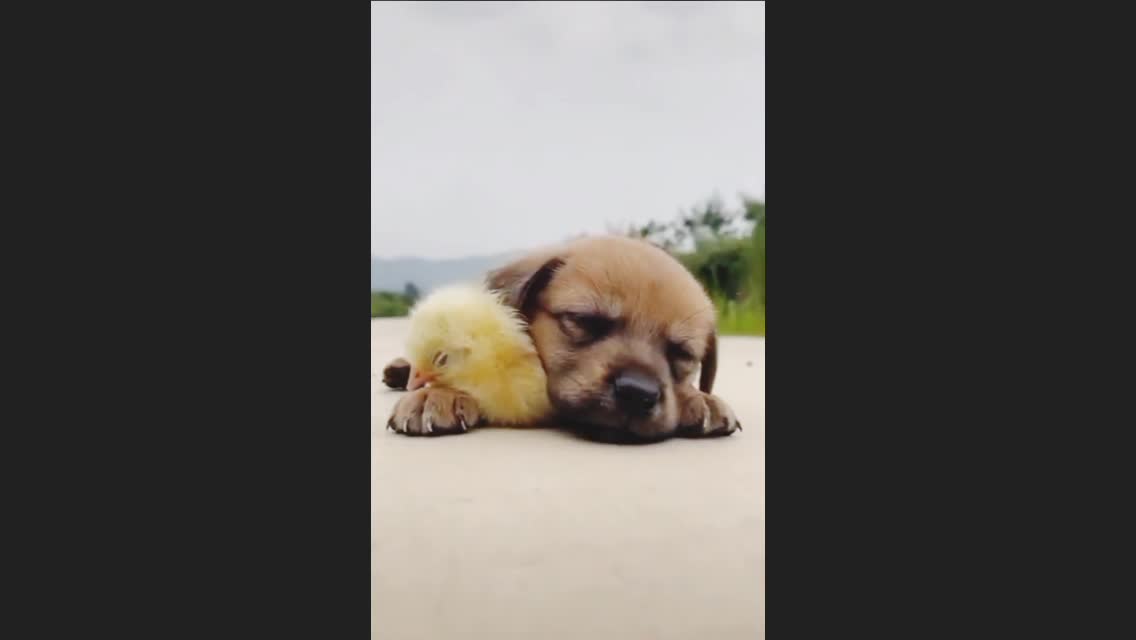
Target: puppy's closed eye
[
  {"x": 582, "y": 328},
  {"x": 679, "y": 353},
  {"x": 682, "y": 360}
]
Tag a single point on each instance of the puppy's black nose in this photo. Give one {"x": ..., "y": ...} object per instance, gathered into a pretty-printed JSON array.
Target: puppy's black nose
[{"x": 636, "y": 393}]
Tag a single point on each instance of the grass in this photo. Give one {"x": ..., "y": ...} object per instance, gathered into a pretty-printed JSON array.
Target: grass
[
  {"x": 735, "y": 318},
  {"x": 732, "y": 270},
  {"x": 386, "y": 304},
  {"x": 740, "y": 318}
]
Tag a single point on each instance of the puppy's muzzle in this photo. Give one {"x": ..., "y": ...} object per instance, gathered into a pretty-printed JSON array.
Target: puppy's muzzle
[{"x": 636, "y": 394}]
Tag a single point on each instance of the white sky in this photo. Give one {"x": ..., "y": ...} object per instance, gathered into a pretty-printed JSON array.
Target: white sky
[{"x": 501, "y": 126}]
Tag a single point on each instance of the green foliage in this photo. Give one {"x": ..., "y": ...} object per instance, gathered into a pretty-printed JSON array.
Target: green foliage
[
  {"x": 758, "y": 255},
  {"x": 739, "y": 318},
  {"x": 725, "y": 250},
  {"x": 411, "y": 292},
  {"x": 656, "y": 232},
  {"x": 722, "y": 265},
  {"x": 754, "y": 210},
  {"x": 387, "y": 304}
]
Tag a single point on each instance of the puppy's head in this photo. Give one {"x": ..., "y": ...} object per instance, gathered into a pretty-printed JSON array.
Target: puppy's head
[{"x": 618, "y": 324}]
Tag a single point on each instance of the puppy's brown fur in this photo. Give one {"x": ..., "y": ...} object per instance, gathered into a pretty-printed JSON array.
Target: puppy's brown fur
[{"x": 602, "y": 311}]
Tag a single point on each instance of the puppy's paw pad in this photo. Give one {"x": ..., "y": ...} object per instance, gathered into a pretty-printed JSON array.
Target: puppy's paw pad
[
  {"x": 433, "y": 411},
  {"x": 722, "y": 421},
  {"x": 466, "y": 412},
  {"x": 704, "y": 415},
  {"x": 406, "y": 418}
]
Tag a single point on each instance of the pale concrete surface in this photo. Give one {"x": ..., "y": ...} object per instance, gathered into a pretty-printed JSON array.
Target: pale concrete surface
[{"x": 506, "y": 533}]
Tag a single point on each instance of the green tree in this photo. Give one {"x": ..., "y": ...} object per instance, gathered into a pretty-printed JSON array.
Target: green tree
[
  {"x": 707, "y": 223},
  {"x": 755, "y": 211},
  {"x": 657, "y": 233},
  {"x": 411, "y": 292},
  {"x": 724, "y": 248}
]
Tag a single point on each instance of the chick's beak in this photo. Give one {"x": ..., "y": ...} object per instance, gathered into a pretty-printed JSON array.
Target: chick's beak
[{"x": 419, "y": 378}]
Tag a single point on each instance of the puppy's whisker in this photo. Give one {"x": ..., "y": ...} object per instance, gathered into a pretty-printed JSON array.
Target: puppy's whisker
[{"x": 695, "y": 314}]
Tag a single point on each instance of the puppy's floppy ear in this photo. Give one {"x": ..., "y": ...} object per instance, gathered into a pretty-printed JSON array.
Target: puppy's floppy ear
[
  {"x": 522, "y": 281},
  {"x": 709, "y": 364}
]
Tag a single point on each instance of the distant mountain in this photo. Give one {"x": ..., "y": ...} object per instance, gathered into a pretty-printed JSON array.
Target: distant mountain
[{"x": 392, "y": 274}]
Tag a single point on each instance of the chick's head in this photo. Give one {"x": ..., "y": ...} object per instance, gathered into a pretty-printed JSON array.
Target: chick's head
[{"x": 459, "y": 335}]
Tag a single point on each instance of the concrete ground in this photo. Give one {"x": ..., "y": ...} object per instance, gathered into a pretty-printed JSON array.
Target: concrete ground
[{"x": 535, "y": 533}]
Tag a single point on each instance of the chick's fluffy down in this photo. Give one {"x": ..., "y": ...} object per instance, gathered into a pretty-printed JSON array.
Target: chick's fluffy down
[{"x": 488, "y": 353}]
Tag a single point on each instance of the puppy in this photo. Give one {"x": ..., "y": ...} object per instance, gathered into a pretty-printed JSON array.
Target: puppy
[{"x": 622, "y": 330}]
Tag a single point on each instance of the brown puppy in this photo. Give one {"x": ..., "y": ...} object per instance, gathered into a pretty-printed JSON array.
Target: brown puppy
[{"x": 622, "y": 329}]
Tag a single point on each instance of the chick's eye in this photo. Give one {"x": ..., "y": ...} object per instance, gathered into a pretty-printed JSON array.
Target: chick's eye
[
  {"x": 440, "y": 359},
  {"x": 586, "y": 326}
]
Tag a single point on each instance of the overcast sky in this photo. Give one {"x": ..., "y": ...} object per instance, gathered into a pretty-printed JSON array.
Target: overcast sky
[{"x": 507, "y": 125}]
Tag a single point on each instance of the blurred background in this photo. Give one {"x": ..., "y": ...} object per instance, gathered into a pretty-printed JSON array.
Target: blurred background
[{"x": 497, "y": 128}]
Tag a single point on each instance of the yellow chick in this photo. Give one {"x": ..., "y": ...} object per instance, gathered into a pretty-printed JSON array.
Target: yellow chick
[{"x": 466, "y": 338}]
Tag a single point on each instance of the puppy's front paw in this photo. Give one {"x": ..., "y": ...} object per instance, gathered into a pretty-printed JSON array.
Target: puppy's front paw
[
  {"x": 434, "y": 411},
  {"x": 702, "y": 415}
]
